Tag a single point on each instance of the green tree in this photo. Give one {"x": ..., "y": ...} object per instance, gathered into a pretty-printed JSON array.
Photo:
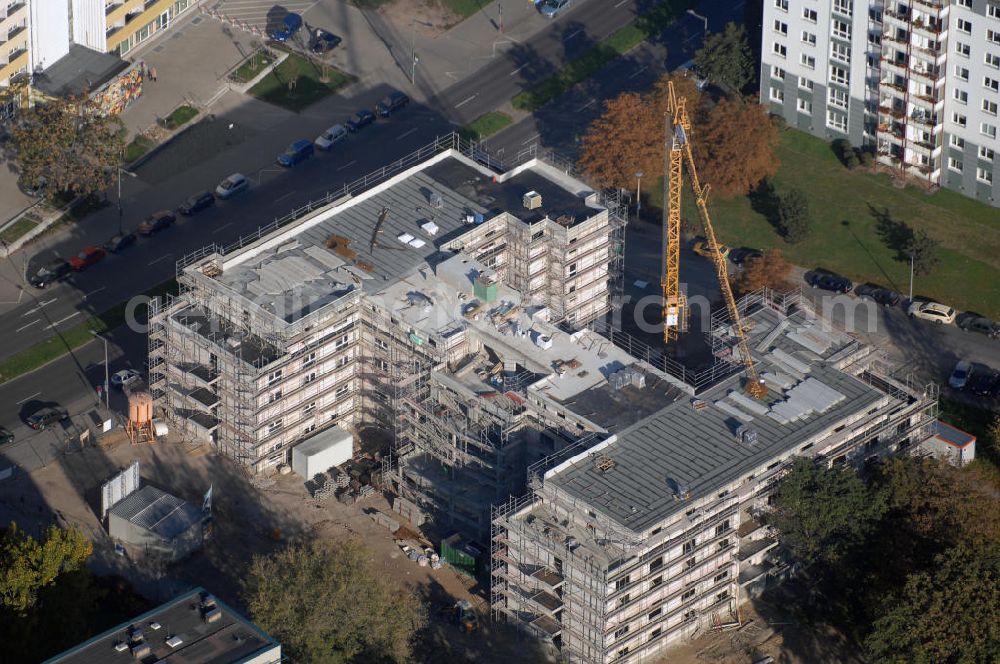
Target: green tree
[
  {"x": 924, "y": 250},
  {"x": 823, "y": 513},
  {"x": 28, "y": 565},
  {"x": 793, "y": 216},
  {"x": 328, "y": 606},
  {"x": 725, "y": 57},
  {"x": 69, "y": 145},
  {"x": 949, "y": 613}
]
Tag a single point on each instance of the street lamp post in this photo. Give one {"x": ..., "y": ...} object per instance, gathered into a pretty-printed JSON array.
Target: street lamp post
[
  {"x": 107, "y": 381},
  {"x": 911, "y": 276},
  {"x": 638, "y": 193},
  {"x": 120, "y": 211},
  {"x": 699, "y": 16}
]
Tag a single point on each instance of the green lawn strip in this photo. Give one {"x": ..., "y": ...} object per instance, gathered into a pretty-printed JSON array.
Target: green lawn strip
[
  {"x": 485, "y": 125},
  {"x": 72, "y": 338},
  {"x": 308, "y": 87},
  {"x": 252, "y": 66},
  {"x": 969, "y": 231},
  {"x": 466, "y": 8},
  {"x": 180, "y": 116},
  {"x": 139, "y": 146},
  {"x": 17, "y": 229},
  {"x": 618, "y": 43}
]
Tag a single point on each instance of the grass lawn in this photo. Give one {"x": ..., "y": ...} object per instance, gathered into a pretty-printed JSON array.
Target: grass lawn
[
  {"x": 72, "y": 338},
  {"x": 17, "y": 229},
  {"x": 845, "y": 235},
  {"x": 180, "y": 116},
  {"x": 252, "y": 66},
  {"x": 308, "y": 88},
  {"x": 588, "y": 64},
  {"x": 139, "y": 146},
  {"x": 485, "y": 125},
  {"x": 466, "y": 8}
]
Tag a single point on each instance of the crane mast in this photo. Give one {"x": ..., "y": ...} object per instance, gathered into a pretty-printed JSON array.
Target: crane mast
[{"x": 679, "y": 153}]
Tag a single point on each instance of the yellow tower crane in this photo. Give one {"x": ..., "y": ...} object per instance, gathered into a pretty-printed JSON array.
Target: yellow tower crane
[{"x": 674, "y": 302}]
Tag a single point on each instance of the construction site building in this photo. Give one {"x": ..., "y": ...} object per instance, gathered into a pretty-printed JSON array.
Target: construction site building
[
  {"x": 654, "y": 534},
  {"x": 444, "y": 298}
]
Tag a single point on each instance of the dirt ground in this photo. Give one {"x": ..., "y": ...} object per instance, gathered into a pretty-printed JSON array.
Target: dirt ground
[
  {"x": 247, "y": 520},
  {"x": 428, "y": 18}
]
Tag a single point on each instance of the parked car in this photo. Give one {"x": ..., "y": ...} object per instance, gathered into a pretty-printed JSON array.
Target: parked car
[
  {"x": 984, "y": 382},
  {"x": 359, "y": 120},
  {"x": 6, "y": 436},
  {"x": 702, "y": 249},
  {"x": 742, "y": 255},
  {"x": 87, "y": 257},
  {"x": 552, "y": 8},
  {"x": 960, "y": 374},
  {"x": 830, "y": 281},
  {"x": 980, "y": 324},
  {"x": 932, "y": 311},
  {"x": 124, "y": 377},
  {"x": 883, "y": 296},
  {"x": 119, "y": 243},
  {"x": 232, "y": 185},
  {"x": 391, "y": 103},
  {"x": 323, "y": 41},
  {"x": 285, "y": 30},
  {"x": 54, "y": 271},
  {"x": 156, "y": 222},
  {"x": 196, "y": 203},
  {"x": 296, "y": 153},
  {"x": 46, "y": 416},
  {"x": 334, "y": 134}
]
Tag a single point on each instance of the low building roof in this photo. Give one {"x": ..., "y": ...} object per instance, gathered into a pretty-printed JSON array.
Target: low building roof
[
  {"x": 323, "y": 440},
  {"x": 159, "y": 512},
  {"x": 952, "y": 435},
  {"x": 82, "y": 70}
]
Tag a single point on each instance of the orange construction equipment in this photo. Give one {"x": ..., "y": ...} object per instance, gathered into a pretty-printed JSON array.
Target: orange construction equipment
[
  {"x": 674, "y": 304},
  {"x": 140, "y": 418}
]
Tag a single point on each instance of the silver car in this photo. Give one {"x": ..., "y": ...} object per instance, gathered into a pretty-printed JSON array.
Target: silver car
[
  {"x": 551, "y": 8},
  {"x": 232, "y": 185}
]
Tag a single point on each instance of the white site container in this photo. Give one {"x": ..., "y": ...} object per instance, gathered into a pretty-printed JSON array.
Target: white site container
[{"x": 322, "y": 451}]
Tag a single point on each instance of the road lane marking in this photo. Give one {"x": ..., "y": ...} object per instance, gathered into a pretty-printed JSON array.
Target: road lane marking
[
  {"x": 587, "y": 105},
  {"x": 93, "y": 292},
  {"x": 25, "y": 327},
  {"x": 27, "y": 398},
  {"x": 568, "y": 37},
  {"x": 530, "y": 140},
  {"x": 60, "y": 322},
  {"x": 161, "y": 258},
  {"x": 466, "y": 101},
  {"x": 517, "y": 70},
  {"x": 283, "y": 197},
  {"x": 406, "y": 133},
  {"x": 642, "y": 69},
  {"x": 622, "y": 2},
  {"x": 40, "y": 305},
  {"x": 350, "y": 163},
  {"x": 226, "y": 225}
]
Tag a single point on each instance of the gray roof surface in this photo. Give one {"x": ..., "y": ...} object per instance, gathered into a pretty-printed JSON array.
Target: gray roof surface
[
  {"x": 157, "y": 511},
  {"x": 79, "y": 70},
  {"x": 952, "y": 435},
  {"x": 230, "y": 639},
  {"x": 323, "y": 440}
]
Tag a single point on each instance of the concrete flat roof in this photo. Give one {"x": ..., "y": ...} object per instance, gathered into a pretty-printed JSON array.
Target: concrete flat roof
[
  {"x": 81, "y": 70},
  {"x": 159, "y": 512},
  {"x": 229, "y": 639}
]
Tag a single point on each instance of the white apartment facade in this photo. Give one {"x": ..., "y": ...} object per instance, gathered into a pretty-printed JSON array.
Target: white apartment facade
[{"x": 915, "y": 81}]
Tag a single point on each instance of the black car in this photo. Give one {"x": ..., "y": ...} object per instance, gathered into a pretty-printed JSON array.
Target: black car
[
  {"x": 45, "y": 416},
  {"x": 55, "y": 271},
  {"x": 359, "y": 120},
  {"x": 980, "y": 324},
  {"x": 156, "y": 222},
  {"x": 323, "y": 41},
  {"x": 197, "y": 202},
  {"x": 983, "y": 382},
  {"x": 5, "y": 436},
  {"x": 119, "y": 243},
  {"x": 391, "y": 103},
  {"x": 883, "y": 296},
  {"x": 829, "y": 281},
  {"x": 742, "y": 255}
]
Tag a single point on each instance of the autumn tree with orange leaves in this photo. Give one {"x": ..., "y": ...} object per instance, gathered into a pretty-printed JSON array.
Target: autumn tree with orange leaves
[
  {"x": 769, "y": 271},
  {"x": 734, "y": 147}
]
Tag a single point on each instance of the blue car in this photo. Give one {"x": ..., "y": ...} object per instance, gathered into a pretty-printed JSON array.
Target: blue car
[
  {"x": 359, "y": 120},
  {"x": 289, "y": 26},
  {"x": 297, "y": 152}
]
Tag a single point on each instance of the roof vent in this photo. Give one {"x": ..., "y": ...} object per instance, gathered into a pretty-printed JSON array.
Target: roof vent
[
  {"x": 746, "y": 435},
  {"x": 174, "y": 641},
  {"x": 603, "y": 463},
  {"x": 678, "y": 490},
  {"x": 210, "y": 612},
  {"x": 435, "y": 200},
  {"x": 532, "y": 200}
]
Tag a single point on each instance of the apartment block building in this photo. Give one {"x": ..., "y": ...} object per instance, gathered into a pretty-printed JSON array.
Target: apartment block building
[
  {"x": 14, "y": 41},
  {"x": 445, "y": 302},
  {"x": 624, "y": 547},
  {"x": 917, "y": 82}
]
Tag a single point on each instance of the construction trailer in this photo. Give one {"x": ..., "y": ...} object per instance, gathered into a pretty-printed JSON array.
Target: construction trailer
[{"x": 654, "y": 534}]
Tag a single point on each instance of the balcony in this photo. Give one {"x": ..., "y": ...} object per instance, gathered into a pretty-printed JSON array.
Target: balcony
[
  {"x": 548, "y": 577},
  {"x": 546, "y": 600},
  {"x": 931, "y": 29},
  {"x": 924, "y": 120},
  {"x": 15, "y": 31},
  {"x": 927, "y": 74},
  {"x": 750, "y": 549},
  {"x": 934, "y": 5},
  {"x": 895, "y": 66}
]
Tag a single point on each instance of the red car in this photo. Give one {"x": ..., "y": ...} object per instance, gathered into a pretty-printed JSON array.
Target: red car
[{"x": 86, "y": 258}]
